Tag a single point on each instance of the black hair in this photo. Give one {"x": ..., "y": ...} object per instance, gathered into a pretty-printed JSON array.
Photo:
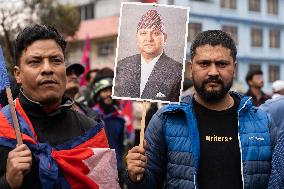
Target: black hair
[
  {"x": 33, "y": 33},
  {"x": 88, "y": 76},
  {"x": 214, "y": 38},
  {"x": 251, "y": 73},
  {"x": 104, "y": 73}
]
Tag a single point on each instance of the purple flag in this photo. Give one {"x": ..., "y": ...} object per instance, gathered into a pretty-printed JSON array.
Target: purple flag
[{"x": 4, "y": 80}]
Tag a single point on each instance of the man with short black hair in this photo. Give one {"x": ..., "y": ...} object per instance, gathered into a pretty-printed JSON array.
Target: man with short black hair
[
  {"x": 213, "y": 139},
  {"x": 254, "y": 79},
  {"x": 58, "y": 141}
]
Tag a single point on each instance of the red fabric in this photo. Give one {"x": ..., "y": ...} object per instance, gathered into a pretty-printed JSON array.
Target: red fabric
[
  {"x": 8, "y": 132},
  {"x": 127, "y": 113},
  {"x": 149, "y": 1},
  {"x": 70, "y": 161},
  {"x": 99, "y": 141},
  {"x": 85, "y": 61},
  {"x": 75, "y": 171}
]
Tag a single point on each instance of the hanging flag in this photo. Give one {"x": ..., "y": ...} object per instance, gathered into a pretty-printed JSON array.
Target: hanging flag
[
  {"x": 127, "y": 113},
  {"x": 4, "y": 80},
  {"x": 85, "y": 61}
]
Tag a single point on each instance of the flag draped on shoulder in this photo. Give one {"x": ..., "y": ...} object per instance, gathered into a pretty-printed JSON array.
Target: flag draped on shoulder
[
  {"x": 85, "y": 161},
  {"x": 85, "y": 61},
  {"x": 4, "y": 80}
]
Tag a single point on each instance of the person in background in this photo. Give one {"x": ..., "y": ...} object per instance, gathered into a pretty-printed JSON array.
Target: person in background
[
  {"x": 254, "y": 79},
  {"x": 277, "y": 88},
  {"x": 73, "y": 72},
  {"x": 110, "y": 113},
  {"x": 85, "y": 91},
  {"x": 275, "y": 107}
]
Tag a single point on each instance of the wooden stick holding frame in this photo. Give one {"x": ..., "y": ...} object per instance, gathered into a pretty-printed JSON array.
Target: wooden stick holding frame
[
  {"x": 14, "y": 116},
  {"x": 142, "y": 131}
]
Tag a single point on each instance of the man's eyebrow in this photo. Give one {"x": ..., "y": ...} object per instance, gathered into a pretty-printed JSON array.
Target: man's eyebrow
[
  {"x": 56, "y": 55},
  {"x": 203, "y": 61},
  {"x": 35, "y": 56}
]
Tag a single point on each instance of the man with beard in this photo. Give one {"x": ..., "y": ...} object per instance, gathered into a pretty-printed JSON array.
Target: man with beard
[
  {"x": 213, "y": 139},
  {"x": 109, "y": 111},
  {"x": 73, "y": 72},
  {"x": 254, "y": 79}
]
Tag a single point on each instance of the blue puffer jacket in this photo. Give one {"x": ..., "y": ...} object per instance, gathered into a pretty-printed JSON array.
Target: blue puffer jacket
[{"x": 173, "y": 149}]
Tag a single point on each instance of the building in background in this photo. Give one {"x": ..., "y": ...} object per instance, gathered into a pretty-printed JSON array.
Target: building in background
[
  {"x": 99, "y": 22},
  {"x": 257, "y": 26}
]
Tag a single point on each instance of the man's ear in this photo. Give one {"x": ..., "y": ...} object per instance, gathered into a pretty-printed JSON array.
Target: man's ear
[{"x": 17, "y": 74}]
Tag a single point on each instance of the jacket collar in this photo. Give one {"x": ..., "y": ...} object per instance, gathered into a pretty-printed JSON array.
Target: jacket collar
[
  {"x": 187, "y": 101},
  {"x": 34, "y": 108}
]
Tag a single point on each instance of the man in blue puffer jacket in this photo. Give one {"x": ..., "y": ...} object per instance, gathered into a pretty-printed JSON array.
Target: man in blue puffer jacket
[{"x": 214, "y": 140}]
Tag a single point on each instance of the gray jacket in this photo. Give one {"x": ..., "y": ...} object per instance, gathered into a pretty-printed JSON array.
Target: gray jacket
[
  {"x": 275, "y": 107},
  {"x": 163, "y": 84}
]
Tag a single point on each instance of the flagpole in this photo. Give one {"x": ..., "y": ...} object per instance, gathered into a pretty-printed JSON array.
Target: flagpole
[
  {"x": 142, "y": 131},
  {"x": 14, "y": 116}
]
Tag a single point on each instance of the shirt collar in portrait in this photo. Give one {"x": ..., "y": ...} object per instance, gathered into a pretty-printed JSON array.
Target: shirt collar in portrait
[{"x": 146, "y": 70}]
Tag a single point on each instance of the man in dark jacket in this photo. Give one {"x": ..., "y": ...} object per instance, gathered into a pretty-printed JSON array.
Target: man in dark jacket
[
  {"x": 254, "y": 79},
  {"x": 150, "y": 74},
  {"x": 56, "y": 138},
  {"x": 73, "y": 72},
  {"x": 213, "y": 139}
]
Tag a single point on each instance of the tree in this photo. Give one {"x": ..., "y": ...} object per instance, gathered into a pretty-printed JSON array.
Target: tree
[
  {"x": 65, "y": 18},
  {"x": 17, "y": 14}
]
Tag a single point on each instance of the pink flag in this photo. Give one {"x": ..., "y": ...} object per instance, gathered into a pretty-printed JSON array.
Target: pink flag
[{"x": 85, "y": 61}]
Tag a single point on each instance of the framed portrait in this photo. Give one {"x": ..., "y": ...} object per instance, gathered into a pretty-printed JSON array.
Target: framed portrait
[{"x": 151, "y": 52}]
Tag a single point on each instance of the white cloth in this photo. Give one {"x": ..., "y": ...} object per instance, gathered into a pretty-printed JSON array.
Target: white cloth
[{"x": 146, "y": 70}]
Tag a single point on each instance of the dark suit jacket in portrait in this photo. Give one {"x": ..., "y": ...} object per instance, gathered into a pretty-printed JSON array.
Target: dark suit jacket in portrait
[{"x": 163, "y": 84}]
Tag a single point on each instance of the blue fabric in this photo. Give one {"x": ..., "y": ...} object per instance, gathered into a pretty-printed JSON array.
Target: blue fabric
[
  {"x": 24, "y": 125},
  {"x": 4, "y": 80},
  {"x": 173, "y": 148},
  {"x": 276, "y": 180}
]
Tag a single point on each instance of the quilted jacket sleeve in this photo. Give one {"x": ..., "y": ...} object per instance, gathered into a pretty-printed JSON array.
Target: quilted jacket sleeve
[{"x": 155, "y": 172}]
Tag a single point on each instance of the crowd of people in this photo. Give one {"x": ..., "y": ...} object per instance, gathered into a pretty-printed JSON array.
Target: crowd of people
[{"x": 214, "y": 138}]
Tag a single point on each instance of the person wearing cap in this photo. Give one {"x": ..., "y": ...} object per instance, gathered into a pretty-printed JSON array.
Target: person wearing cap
[
  {"x": 73, "y": 72},
  {"x": 109, "y": 111},
  {"x": 58, "y": 142},
  {"x": 150, "y": 74},
  {"x": 254, "y": 79}
]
